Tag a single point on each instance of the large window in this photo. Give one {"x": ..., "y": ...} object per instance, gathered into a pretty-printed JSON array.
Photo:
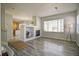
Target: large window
[{"x": 54, "y": 25}]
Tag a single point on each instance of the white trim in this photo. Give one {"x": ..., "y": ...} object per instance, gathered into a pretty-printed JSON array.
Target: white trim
[
  {"x": 59, "y": 38},
  {"x": 31, "y": 38}
]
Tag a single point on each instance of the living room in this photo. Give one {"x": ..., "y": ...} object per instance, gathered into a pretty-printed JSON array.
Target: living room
[{"x": 40, "y": 28}]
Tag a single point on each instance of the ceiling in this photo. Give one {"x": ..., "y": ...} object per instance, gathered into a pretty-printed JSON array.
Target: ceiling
[{"x": 25, "y": 11}]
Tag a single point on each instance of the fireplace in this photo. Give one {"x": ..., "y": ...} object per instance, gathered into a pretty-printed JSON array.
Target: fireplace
[
  {"x": 37, "y": 32},
  {"x": 29, "y": 32}
]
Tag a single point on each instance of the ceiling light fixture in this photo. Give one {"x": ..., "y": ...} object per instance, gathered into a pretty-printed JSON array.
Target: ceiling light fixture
[
  {"x": 55, "y": 8},
  {"x": 13, "y": 8}
]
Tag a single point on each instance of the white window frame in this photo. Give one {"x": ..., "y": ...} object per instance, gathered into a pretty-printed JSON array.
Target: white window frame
[{"x": 59, "y": 25}]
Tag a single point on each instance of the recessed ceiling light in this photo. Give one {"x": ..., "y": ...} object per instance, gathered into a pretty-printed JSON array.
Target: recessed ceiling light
[
  {"x": 56, "y": 8},
  {"x": 13, "y": 8}
]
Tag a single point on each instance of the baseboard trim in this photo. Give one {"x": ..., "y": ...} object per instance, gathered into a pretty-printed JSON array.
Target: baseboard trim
[
  {"x": 31, "y": 38},
  {"x": 58, "y": 39}
]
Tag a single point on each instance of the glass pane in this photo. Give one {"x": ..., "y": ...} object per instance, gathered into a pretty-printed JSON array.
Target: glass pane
[
  {"x": 45, "y": 25},
  {"x": 50, "y": 26},
  {"x": 54, "y": 25},
  {"x": 60, "y": 25}
]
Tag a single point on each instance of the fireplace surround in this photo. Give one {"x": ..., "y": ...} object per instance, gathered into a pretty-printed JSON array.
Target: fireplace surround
[
  {"x": 37, "y": 32},
  {"x": 29, "y": 32}
]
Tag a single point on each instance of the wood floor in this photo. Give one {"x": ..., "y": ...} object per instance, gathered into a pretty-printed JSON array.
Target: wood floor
[{"x": 49, "y": 47}]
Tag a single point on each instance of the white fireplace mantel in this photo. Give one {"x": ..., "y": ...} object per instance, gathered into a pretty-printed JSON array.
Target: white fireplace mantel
[{"x": 23, "y": 28}]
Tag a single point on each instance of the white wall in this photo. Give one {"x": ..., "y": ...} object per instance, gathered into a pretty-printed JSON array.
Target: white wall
[
  {"x": 0, "y": 28},
  {"x": 69, "y": 18},
  {"x": 78, "y": 26},
  {"x": 3, "y": 31},
  {"x": 6, "y": 25},
  {"x": 38, "y": 23}
]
